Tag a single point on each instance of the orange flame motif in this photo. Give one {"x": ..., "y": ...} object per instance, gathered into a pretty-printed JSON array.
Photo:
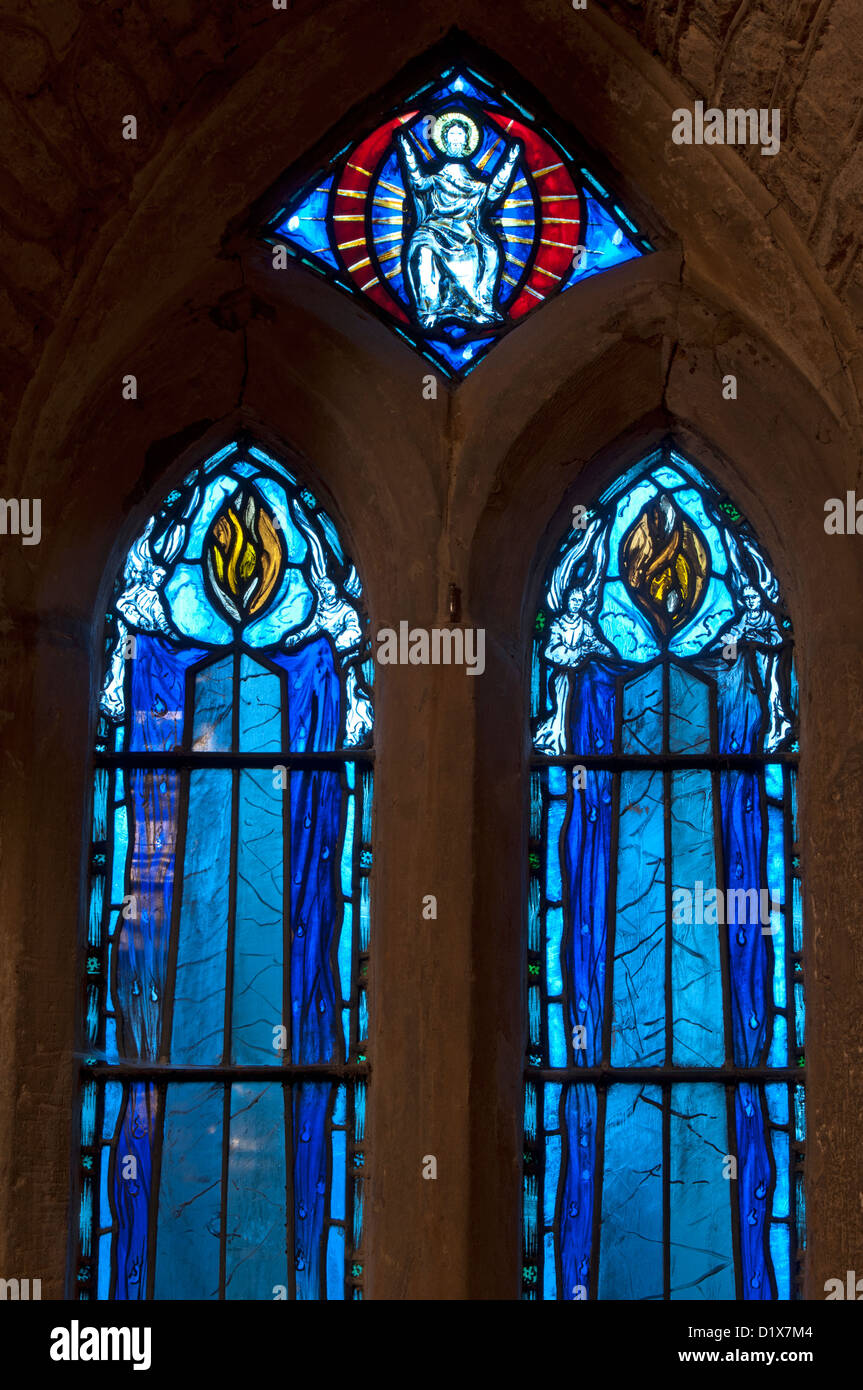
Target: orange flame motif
[
  {"x": 665, "y": 562},
  {"x": 245, "y": 556}
]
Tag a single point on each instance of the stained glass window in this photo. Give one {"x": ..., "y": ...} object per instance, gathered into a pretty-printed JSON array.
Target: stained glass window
[
  {"x": 224, "y": 1060},
  {"x": 454, "y": 216},
  {"x": 664, "y": 1101}
]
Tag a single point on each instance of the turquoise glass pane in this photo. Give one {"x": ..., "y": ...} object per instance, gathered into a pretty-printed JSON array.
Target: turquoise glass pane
[
  {"x": 214, "y": 708},
  {"x": 638, "y": 1034},
  {"x": 199, "y": 994},
  {"x": 630, "y": 1256},
  {"x": 255, "y": 1258},
  {"x": 696, "y": 972},
  {"x": 260, "y": 708},
  {"x": 259, "y": 930},
  {"x": 689, "y": 712},
  {"x": 642, "y": 714},
  {"x": 702, "y": 1251},
  {"x": 190, "y": 1194}
]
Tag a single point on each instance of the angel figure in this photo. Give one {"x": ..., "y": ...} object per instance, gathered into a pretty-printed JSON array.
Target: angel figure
[
  {"x": 140, "y": 603},
  {"x": 574, "y": 637},
  {"x": 339, "y": 619},
  {"x": 757, "y": 625}
]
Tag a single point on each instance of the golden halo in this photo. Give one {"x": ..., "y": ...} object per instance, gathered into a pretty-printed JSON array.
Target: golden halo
[{"x": 442, "y": 125}]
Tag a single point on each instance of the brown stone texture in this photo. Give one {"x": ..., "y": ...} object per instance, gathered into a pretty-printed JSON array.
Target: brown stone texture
[{"x": 124, "y": 257}]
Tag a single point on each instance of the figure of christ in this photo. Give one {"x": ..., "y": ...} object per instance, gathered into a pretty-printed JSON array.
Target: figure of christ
[{"x": 453, "y": 258}]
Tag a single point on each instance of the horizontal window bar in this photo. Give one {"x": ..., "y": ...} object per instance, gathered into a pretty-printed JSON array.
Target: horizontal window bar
[
  {"x": 289, "y": 1071},
  {"x": 603, "y": 1076},
  {"x": 171, "y": 761},
  {"x": 622, "y": 761}
]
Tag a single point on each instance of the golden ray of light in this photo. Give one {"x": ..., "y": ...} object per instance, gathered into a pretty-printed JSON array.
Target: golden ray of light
[
  {"x": 426, "y": 151},
  {"x": 521, "y": 183},
  {"x": 358, "y": 265},
  {"x": 536, "y": 294},
  {"x": 550, "y": 273},
  {"x": 348, "y": 217},
  {"x": 481, "y": 163},
  {"x": 348, "y": 245},
  {"x": 387, "y": 202},
  {"x": 521, "y": 240},
  {"x": 393, "y": 187},
  {"x": 556, "y": 197},
  {"x": 390, "y": 236},
  {"x": 369, "y": 283},
  {"x": 387, "y": 221},
  {"x": 353, "y": 192},
  {"x": 543, "y": 241},
  {"x": 516, "y": 221},
  {"x": 388, "y": 255},
  {"x": 571, "y": 221},
  {"x": 539, "y": 172},
  {"x": 508, "y": 278},
  {"x": 360, "y": 170},
  {"x": 518, "y": 203},
  {"x": 511, "y": 257}
]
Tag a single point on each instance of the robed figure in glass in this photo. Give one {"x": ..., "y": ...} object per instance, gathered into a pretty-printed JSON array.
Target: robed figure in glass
[{"x": 453, "y": 259}]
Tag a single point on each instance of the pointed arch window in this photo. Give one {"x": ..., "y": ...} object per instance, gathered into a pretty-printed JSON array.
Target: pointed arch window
[
  {"x": 224, "y": 1057},
  {"x": 664, "y": 1100}
]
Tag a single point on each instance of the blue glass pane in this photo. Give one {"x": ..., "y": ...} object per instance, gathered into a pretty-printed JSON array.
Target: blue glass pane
[
  {"x": 753, "y": 1184},
  {"x": 630, "y": 1257},
  {"x": 689, "y": 712},
  {"x": 259, "y": 928},
  {"x": 335, "y": 1263},
  {"x": 696, "y": 971},
  {"x": 197, "y": 1035},
  {"x": 190, "y": 1193},
  {"x": 702, "y": 1252},
  {"x": 638, "y": 1030},
  {"x": 255, "y": 1259},
  {"x": 260, "y": 708},
  {"x": 214, "y": 708},
  {"x": 642, "y": 714},
  {"x": 579, "y": 1191}
]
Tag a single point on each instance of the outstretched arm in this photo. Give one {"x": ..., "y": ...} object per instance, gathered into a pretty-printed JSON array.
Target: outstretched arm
[
  {"x": 414, "y": 173},
  {"x": 498, "y": 185}
]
